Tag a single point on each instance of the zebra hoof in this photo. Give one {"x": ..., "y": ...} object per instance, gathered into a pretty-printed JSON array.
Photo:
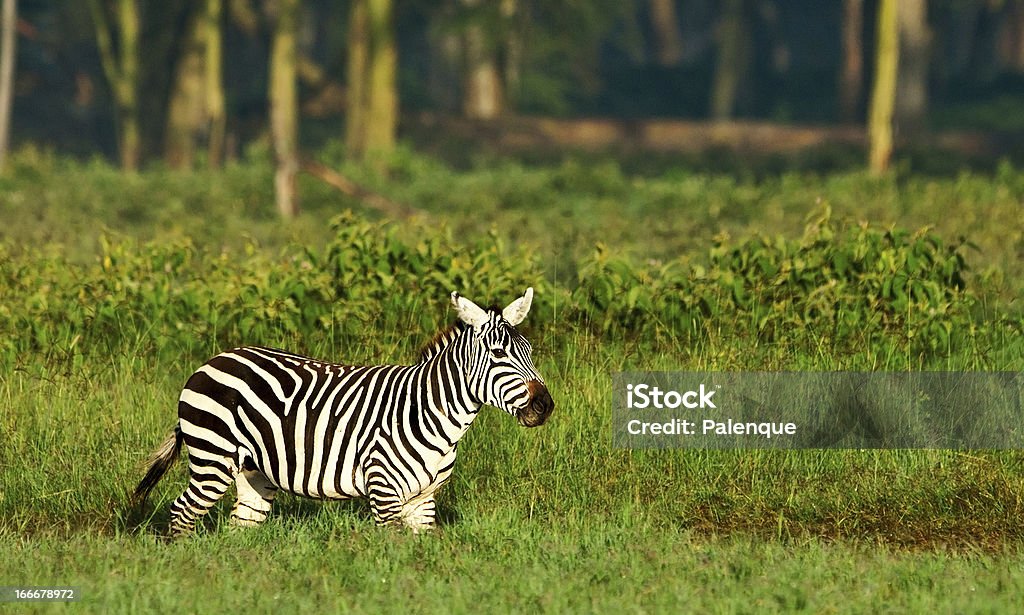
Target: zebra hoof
[
  {"x": 420, "y": 528},
  {"x": 236, "y": 522},
  {"x": 179, "y": 534}
]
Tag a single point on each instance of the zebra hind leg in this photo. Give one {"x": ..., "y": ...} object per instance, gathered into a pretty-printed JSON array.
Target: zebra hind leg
[
  {"x": 206, "y": 485},
  {"x": 255, "y": 498}
]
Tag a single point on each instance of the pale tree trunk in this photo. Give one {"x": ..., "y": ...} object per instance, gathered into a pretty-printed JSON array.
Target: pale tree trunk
[
  {"x": 186, "y": 109},
  {"x": 513, "y": 44},
  {"x": 382, "y": 99},
  {"x": 487, "y": 79},
  {"x": 215, "y": 107},
  {"x": 731, "y": 63},
  {"x": 372, "y": 114},
  {"x": 122, "y": 70},
  {"x": 358, "y": 58},
  {"x": 851, "y": 77},
  {"x": 196, "y": 106},
  {"x": 483, "y": 92},
  {"x": 912, "y": 87},
  {"x": 1011, "y": 36},
  {"x": 243, "y": 15},
  {"x": 284, "y": 104},
  {"x": 128, "y": 95},
  {"x": 883, "y": 95},
  {"x": 668, "y": 41},
  {"x": 8, "y": 40}
]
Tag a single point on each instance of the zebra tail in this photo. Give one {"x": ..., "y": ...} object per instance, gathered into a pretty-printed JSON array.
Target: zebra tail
[{"x": 162, "y": 459}]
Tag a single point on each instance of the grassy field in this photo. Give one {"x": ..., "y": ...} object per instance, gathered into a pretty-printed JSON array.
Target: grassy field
[
  {"x": 323, "y": 563},
  {"x": 552, "y": 519}
]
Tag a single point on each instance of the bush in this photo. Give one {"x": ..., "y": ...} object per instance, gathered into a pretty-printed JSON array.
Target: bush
[
  {"x": 834, "y": 283},
  {"x": 847, "y": 286},
  {"x": 173, "y": 295}
]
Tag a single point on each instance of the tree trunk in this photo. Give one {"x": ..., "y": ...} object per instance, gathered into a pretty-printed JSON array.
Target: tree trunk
[
  {"x": 186, "y": 110},
  {"x": 372, "y": 65},
  {"x": 732, "y": 60},
  {"x": 483, "y": 94},
  {"x": 912, "y": 87},
  {"x": 668, "y": 41},
  {"x": 883, "y": 95},
  {"x": 851, "y": 77},
  {"x": 128, "y": 97},
  {"x": 358, "y": 57},
  {"x": 284, "y": 103},
  {"x": 382, "y": 99},
  {"x": 243, "y": 15},
  {"x": 8, "y": 39},
  {"x": 1014, "y": 48},
  {"x": 122, "y": 70},
  {"x": 196, "y": 106},
  {"x": 215, "y": 107},
  {"x": 513, "y": 45}
]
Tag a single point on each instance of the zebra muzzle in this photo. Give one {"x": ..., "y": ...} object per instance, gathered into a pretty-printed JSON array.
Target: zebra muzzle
[{"x": 540, "y": 406}]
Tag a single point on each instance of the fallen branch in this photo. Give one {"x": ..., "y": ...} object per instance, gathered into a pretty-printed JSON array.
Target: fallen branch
[{"x": 350, "y": 188}]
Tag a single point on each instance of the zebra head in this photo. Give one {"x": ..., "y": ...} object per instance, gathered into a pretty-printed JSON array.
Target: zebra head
[{"x": 500, "y": 370}]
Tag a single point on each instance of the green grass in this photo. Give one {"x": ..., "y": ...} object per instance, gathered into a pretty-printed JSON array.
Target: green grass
[
  {"x": 95, "y": 427},
  {"x": 323, "y": 563},
  {"x": 552, "y": 519}
]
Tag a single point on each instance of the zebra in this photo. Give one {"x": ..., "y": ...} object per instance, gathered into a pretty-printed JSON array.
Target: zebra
[{"x": 270, "y": 420}]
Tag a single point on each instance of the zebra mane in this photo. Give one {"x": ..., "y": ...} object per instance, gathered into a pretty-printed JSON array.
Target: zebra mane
[
  {"x": 441, "y": 340},
  {"x": 446, "y": 336}
]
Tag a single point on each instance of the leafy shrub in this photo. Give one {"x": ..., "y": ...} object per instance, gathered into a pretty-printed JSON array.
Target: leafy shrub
[
  {"x": 173, "y": 295},
  {"x": 851, "y": 286},
  {"x": 832, "y": 283}
]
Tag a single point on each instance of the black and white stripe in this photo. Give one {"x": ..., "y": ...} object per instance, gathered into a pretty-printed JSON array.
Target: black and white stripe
[{"x": 268, "y": 420}]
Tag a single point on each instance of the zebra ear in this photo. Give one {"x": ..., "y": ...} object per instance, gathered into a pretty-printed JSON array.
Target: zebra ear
[
  {"x": 516, "y": 311},
  {"x": 469, "y": 312}
]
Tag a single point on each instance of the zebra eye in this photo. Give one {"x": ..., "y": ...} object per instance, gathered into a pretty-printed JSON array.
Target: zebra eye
[{"x": 499, "y": 353}]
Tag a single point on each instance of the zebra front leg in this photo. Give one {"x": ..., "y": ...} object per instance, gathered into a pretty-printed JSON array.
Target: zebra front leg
[
  {"x": 255, "y": 497},
  {"x": 385, "y": 503},
  {"x": 389, "y": 505},
  {"x": 419, "y": 513}
]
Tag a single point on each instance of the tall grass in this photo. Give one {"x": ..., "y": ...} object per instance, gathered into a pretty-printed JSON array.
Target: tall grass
[{"x": 74, "y": 444}]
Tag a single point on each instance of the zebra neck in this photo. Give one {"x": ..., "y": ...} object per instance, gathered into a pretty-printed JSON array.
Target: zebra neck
[{"x": 451, "y": 404}]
